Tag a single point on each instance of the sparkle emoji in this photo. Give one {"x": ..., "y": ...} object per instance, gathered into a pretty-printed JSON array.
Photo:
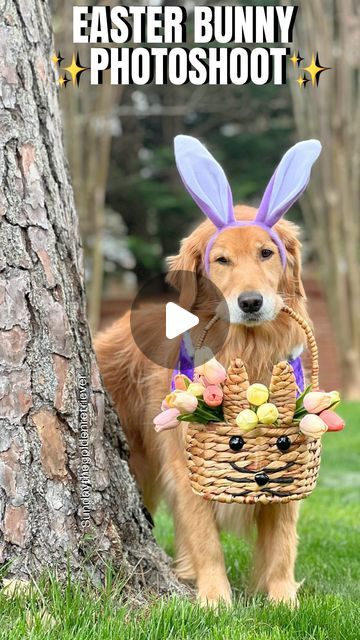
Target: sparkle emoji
[
  {"x": 302, "y": 81},
  {"x": 57, "y": 59},
  {"x": 63, "y": 80},
  {"x": 315, "y": 69},
  {"x": 296, "y": 59},
  {"x": 75, "y": 69}
]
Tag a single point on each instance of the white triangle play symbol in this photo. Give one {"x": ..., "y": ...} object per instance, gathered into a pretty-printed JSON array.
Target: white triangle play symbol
[{"x": 178, "y": 320}]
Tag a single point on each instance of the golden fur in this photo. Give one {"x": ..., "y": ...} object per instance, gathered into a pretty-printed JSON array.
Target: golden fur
[{"x": 137, "y": 387}]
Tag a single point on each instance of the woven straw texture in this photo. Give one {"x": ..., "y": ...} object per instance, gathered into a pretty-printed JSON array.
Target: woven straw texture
[{"x": 218, "y": 472}]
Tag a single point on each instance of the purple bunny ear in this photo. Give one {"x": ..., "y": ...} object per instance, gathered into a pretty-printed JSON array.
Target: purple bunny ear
[
  {"x": 205, "y": 180},
  {"x": 288, "y": 182}
]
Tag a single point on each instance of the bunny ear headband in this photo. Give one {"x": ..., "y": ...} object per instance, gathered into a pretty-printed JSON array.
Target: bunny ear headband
[{"x": 206, "y": 182}]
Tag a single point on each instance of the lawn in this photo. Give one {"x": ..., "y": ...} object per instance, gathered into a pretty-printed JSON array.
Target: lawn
[{"x": 329, "y": 560}]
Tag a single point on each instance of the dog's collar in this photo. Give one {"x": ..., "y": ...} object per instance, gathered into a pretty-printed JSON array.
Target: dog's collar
[
  {"x": 186, "y": 365},
  {"x": 246, "y": 223}
]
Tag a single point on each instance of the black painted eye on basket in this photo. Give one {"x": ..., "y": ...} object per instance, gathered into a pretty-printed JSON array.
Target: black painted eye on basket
[
  {"x": 236, "y": 443},
  {"x": 283, "y": 443}
]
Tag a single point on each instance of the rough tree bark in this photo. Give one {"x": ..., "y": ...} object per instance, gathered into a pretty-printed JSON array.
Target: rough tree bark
[{"x": 63, "y": 469}]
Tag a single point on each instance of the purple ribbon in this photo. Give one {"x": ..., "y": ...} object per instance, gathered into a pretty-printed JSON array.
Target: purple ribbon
[{"x": 186, "y": 367}]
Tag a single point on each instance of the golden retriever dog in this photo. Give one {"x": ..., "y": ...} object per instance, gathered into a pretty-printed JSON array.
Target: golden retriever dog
[
  {"x": 253, "y": 258},
  {"x": 244, "y": 263}
]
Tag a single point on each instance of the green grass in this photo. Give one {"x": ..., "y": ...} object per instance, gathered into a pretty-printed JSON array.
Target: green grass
[{"x": 329, "y": 560}]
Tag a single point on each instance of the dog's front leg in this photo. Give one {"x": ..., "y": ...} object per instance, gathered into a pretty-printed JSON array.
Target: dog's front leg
[
  {"x": 198, "y": 540},
  {"x": 275, "y": 552}
]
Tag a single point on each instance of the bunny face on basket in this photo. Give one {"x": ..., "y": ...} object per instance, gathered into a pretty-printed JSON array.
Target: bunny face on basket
[
  {"x": 272, "y": 470},
  {"x": 249, "y": 443}
]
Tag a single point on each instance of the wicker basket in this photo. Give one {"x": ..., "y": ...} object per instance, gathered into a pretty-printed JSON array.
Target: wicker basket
[{"x": 267, "y": 464}]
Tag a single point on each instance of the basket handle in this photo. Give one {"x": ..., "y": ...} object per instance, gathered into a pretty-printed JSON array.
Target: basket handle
[
  {"x": 311, "y": 344},
  {"x": 302, "y": 323}
]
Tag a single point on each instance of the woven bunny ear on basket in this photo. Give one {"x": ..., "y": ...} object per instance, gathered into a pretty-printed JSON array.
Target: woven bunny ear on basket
[
  {"x": 283, "y": 391},
  {"x": 234, "y": 389}
]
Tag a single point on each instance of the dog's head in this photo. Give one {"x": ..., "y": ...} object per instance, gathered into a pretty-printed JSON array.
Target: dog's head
[
  {"x": 252, "y": 256},
  {"x": 245, "y": 265}
]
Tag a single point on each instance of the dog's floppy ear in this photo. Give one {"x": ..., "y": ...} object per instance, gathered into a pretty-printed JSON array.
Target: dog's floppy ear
[
  {"x": 288, "y": 182},
  {"x": 291, "y": 282},
  {"x": 183, "y": 269}
]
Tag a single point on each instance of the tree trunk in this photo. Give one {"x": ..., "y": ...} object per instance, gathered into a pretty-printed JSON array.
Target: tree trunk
[
  {"x": 331, "y": 112},
  {"x": 67, "y": 497}
]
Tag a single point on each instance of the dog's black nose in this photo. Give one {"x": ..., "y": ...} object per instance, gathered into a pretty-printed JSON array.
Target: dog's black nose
[
  {"x": 261, "y": 479},
  {"x": 250, "y": 302}
]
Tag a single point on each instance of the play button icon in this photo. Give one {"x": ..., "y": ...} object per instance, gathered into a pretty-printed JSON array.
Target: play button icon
[
  {"x": 178, "y": 320},
  {"x": 172, "y": 313}
]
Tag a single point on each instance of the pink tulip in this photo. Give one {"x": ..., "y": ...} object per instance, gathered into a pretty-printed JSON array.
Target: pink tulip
[
  {"x": 312, "y": 426},
  {"x": 317, "y": 401},
  {"x": 185, "y": 402},
  {"x": 213, "y": 395},
  {"x": 201, "y": 380},
  {"x": 166, "y": 420},
  {"x": 212, "y": 370},
  {"x": 164, "y": 405},
  {"x": 332, "y": 420}
]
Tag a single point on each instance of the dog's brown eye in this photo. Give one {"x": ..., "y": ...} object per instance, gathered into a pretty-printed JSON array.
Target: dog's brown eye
[
  {"x": 236, "y": 443},
  {"x": 266, "y": 253},
  {"x": 222, "y": 260},
  {"x": 283, "y": 443}
]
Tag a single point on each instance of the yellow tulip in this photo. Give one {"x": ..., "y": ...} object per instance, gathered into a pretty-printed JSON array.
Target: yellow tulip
[
  {"x": 246, "y": 419},
  {"x": 196, "y": 389},
  {"x": 169, "y": 399},
  {"x": 257, "y": 394},
  {"x": 267, "y": 413}
]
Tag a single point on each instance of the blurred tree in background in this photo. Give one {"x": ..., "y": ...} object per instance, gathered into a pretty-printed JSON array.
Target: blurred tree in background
[
  {"x": 90, "y": 123},
  {"x": 331, "y": 204}
]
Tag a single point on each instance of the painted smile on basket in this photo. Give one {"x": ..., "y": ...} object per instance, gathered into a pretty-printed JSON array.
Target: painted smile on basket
[
  {"x": 277, "y": 470},
  {"x": 262, "y": 479}
]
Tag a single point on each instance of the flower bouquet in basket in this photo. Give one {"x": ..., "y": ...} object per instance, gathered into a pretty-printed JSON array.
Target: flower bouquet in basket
[{"x": 248, "y": 442}]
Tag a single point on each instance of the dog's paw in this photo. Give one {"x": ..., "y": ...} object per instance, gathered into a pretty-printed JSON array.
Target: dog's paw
[
  {"x": 214, "y": 596},
  {"x": 285, "y": 592}
]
